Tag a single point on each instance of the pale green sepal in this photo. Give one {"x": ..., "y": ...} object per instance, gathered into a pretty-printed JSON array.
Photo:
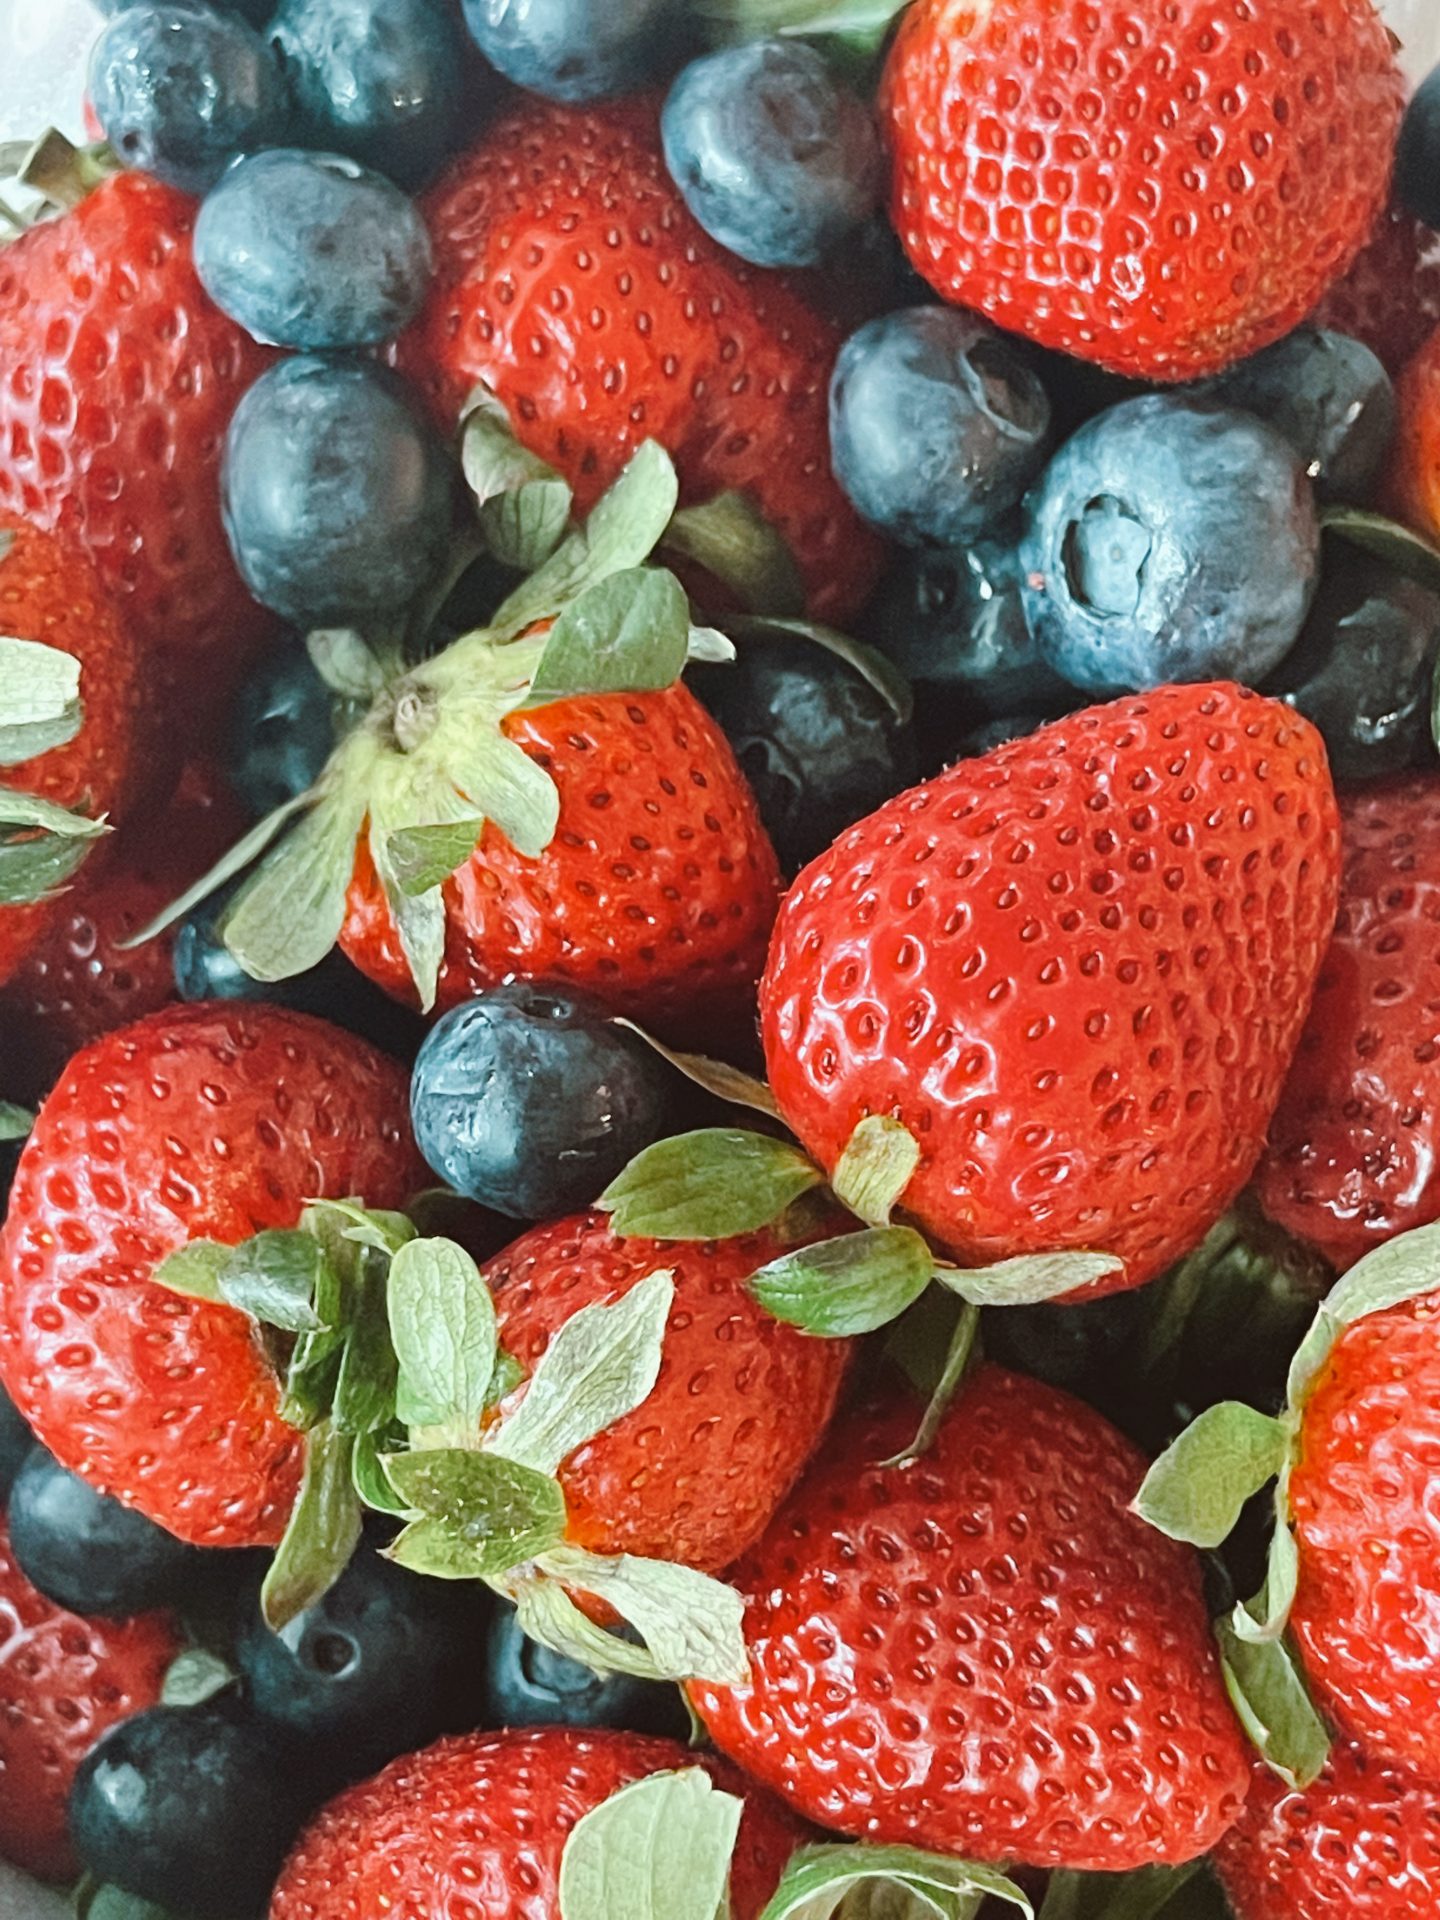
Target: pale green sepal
[
  {"x": 547, "y": 1615},
  {"x": 424, "y": 857},
  {"x": 693, "y": 1626},
  {"x": 442, "y": 1324},
  {"x": 1266, "y": 1689},
  {"x": 878, "y": 1164},
  {"x": 657, "y": 1850},
  {"x": 194, "y": 1676},
  {"x": 246, "y": 849},
  {"x": 15, "y": 1122},
  {"x": 629, "y": 634},
  {"x": 288, "y": 916},
  {"x": 822, "y": 1881},
  {"x": 275, "y": 1277},
  {"x": 36, "y": 862},
  {"x": 491, "y": 1512},
  {"x": 715, "y": 1076},
  {"x": 708, "y": 1185},
  {"x": 194, "y": 1269},
  {"x": 39, "y": 699},
  {"x": 736, "y": 545},
  {"x": 1029, "y": 1279},
  {"x": 522, "y": 502},
  {"x": 601, "y": 1364},
  {"x": 707, "y": 646},
  {"x": 1196, "y": 1489},
  {"x": 379, "y": 1228},
  {"x": 1403, "y": 1269},
  {"x": 372, "y": 1482},
  {"x": 1268, "y": 1614},
  {"x": 32, "y": 812},
  {"x": 324, "y": 1530},
  {"x": 847, "y": 1286},
  {"x": 346, "y": 662}
]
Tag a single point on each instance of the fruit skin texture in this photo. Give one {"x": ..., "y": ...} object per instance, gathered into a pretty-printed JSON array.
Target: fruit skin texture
[
  {"x": 479, "y": 1823},
  {"x": 1076, "y": 969},
  {"x": 1417, "y": 455},
  {"x": 121, "y": 377},
  {"x": 1075, "y": 171},
  {"x": 656, "y": 895},
  {"x": 1367, "y": 1613},
  {"x": 63, "y": 1682},
  {"x": 984, "y": 1653},
  {"x": 198, "y": 1123},
  {"x": 563, "y": 214},
  {"x": 50, "y": 593},
  {"x": 741, "y": 1402},
  {"x": 1354, "y": 1151},
  {"x": 1362, "y": 1843},
  {"x": 1390, "y": 298}
]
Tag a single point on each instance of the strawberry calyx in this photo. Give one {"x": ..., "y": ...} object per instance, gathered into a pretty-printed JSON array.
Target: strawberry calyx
[
  {"x": 54, "y": 172},
  {"x": 15, "y": 1122},
  {"x": 387, "y": 1346},
  {"x": 42, "y": 844},
  {"x": 862, "y": 26}
]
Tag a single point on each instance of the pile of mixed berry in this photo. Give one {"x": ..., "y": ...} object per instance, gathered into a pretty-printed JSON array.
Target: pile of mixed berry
[{"x": 720, "y": 936}]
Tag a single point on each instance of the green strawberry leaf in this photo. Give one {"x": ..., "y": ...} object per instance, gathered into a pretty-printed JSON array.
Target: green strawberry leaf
[
  {"x": 346, "y": 662},
  {"x": 96, "y": 1901},
  {"x": 274, "y": 1277},
  {"x": 523, "y": 503},
  {"x": 709, "y": 1185},
  {"x": 364, "y": 1395},
  {"x": 195, "y": 1269},
  {"x": 707, "y": 646},
  {"x": 872, "y": 666},
  {"x": 692, "y": 1626},
  {"x": 15, "y": 1122},
  {"x": 1196, "y": 1489},
  {"x": 1146, "y": 1893},
  {"x": 715, "y": 1076},
  {"x": 195, "y": 1676},
  {"x": 312, "y": 1378},
  {"x": 1399, "y": 547},
  {"x": 508, "y": 1375},
  {"x": 288, "y": 915},
  {"x": 1403, "y": 1269},
  {"x": 736, "y": 545},
  {"x": 41, "y": 846},
  {"x": 442, "y": 1324},
  {"x": 629, "y": 634},
  {"x": 822, "y": 1881},
  {"x": 876, "y": 1167},
  {"x": 1029, "y": 1279},
  {"x": 600, "y": 1366},
  {"x": 422, "y": 858},
  {"x": 958, "y": 1356},
  {"x": 379, "y": 1228},
  {"x": 246, "y": 850},
  {"x": 659, "y": 1849},
  {"x": 39, "y": 699},
  {"x": 1266, "y": 1689},
  {"x": 499, "y": 1513},
  {"x": 848, "y": 1286},
  {"x": 1268, "y": 1614},
  {"x": 324, "y": 1530},
  {"x": 548, "y": 1616},
  {"x": 367, "y": 1470}
]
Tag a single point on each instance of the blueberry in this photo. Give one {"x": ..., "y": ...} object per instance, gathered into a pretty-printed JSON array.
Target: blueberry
[
  {"x": 381, "y": 80},
  {"x": 377, "y": 1668},
  {"x": 312, "y": 250},
  {"x": 1330, "y": 398},
  {"x": 526, "y": 1685},
  {"x": 283, "y": 730},
  {"x": 820, "y": 747},
  {"x": 16, "y": 1442},
  {"x": 191, "y": 1807},
  {"x": 1363, "y": 667},
  {"x": 87, "y": 1552},
  {"x": 257, "y": 12},
  {"x": 937, "y": 424},
  {"x": 571, "y": 49},
  {"x": 179, "y": 90},
  {"x": 337, "y": 494},
  {"x": 530, "y": 1101},
  {"x": 1417, "y": 158},
  {"x": 1169, "y": 540},
  {"x": 774, "y": 157}
]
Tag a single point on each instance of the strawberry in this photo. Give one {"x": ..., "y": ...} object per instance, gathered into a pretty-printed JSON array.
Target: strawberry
[
  {"x": 1074, "y": 970},
  {"x": 200, "y": 1122},
  {"x": 1352, "y": 1149},
  {"x": 981, "y": 1652},
  {"x": 1362, "y": 1843},
  {"x": 573, "y": 282},
  {"x": 1390, "y": 298},
  {"x": 120, "y": 379},
  {"x": 1161, "y": 190},
  {"x": 479, "y": 1825},
  {"x": 63, "y": 1682},
  {"x": 51, "y": 596},
  {"x": 1416, "y": 483},
  {"x": 740, "y": 1403}
]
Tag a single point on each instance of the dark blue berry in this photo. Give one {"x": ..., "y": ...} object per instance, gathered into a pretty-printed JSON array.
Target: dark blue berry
[
  {"x": 257, "y": 12},
  {"x": 312, "y": 250},
  {"x": 337, "y": 493},
  {"x": 530, "y": 1101},
  {"x": 1331, "y": 399},
  {"x": 283, "y": 730},
  {"x": 180, "y": 90},
  {"x": 1362, "y": 669},
  {"x": 1169, "y": 540},
  {"x": 774, "y": 157},
  {"x": 381, "y": 80},
  {"x": 937, "y": 424},
  {"x": 819, "y": 745},
  {"x": 571, "y": 49},
  {"x": 87, "y": 1552},
  {"x": 16, "y": 1442},
  {"x": 526, "y": 1685},
  {"x": 194, "y": 1808},
  {"x": 378, "y": 1667},
  {"x": 1417, "y": 158}
]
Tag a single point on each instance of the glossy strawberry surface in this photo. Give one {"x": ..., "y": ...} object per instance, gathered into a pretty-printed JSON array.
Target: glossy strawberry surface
[
  {"x": 741, "y": 1402},
  {"x": 205, "y": 1122},
  {"x": 1075, "y": 969},
  {"x": 477, "y": 1826},
  {"x": 573, "y": 281},
  {"x": 63, "y": 1682},
  {"x": 1354, "y": 1150},
  {"x": 1160, "y": 189},
  {"x": 1416, "y": 486},
  {"x": 984, "y": 1653}
]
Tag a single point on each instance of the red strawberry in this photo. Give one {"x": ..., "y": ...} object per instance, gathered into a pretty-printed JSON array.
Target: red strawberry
[
  {"x": 63, "y": 1682},
  {"x": 573, "y": 281},
  {"x": 1353, "y": 1148},
  {"x": 984, "y": 1653},
  {"x": 120, "y": 379},
  {"x": 1075, "y": 970},
  {"x": 1390, "y": 298},
  {"x": 50, "y": 593},
  {"x": 1363, "y": 1843},
  {"x": 477, "y": 1826},
  {"x": 1416, "y": 483},
  {"x": 741, "y": 1402},
  {"x": 199, "y": 1123},
  {"x": 1161, "y": 189}
]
